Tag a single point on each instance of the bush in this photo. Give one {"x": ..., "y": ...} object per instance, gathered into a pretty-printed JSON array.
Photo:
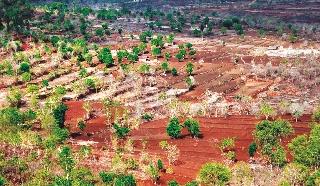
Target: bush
[
  {"x": 174, "y": 128},
  {"x": 14, "y": 97},
  {"x": 153, "y": 172},
  {"x": 268, "y": 132},
  {"x": 227, "y": 144},
  {"x": 125, "y": 180},
  {"x": 192, "y": 183},
  {"x": 316, "y": 115},
  {"x": 82, "y": 176},
  {"x": 189, "y": 68},
  {"x": 24, "y": 67},
  {"x": 174, "y": 72},
  {"x": 173, "y": 183},
  {"x": 66, "y": 160},
  {"x": 121, "y": 132},
  {"x": 81, "y": 125},
  {"x": 227, "y": 23},
  {"x": 147, "y": 117},
  {"x": 295, "y": 174},
  {"x": 26, "y": 77},
  {"x": 313, "y": 179},
  {"x": 59, "y": 114},
  {"x": 100, "y": 32},
  {"x": 214, "y": 174},
  {"x": 306, "y": 150},
  {"x": 242, "y": 174},
  {"x": 268, "y": 135},
  {"x": 160, "y": 164},
  {"x": 278, "y": 156},
  {"x": 193, "y": 127},
  {"x": 252, "y": 149},
  {"x": 2, "y": 181},
  {"x": 11, "y": 116},
  {"x": 105, "y": 57},
  {"x": 107, "y": 177}
]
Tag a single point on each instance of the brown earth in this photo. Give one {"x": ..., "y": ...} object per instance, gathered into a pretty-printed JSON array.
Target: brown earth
[{"x": 193, "y": 152}]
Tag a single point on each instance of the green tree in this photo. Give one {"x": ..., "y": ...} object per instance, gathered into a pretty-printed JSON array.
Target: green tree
[
  {"x": 81, "y": 125},
  {"x": 267, "y": 110},
  {"x": 173, "y": 183},
  {"x": 189, "y": 68},
  {"x": 174, "y": 128},
  {"x": 15, "y": 14},
  {"x": 105, "y": 57},
  {"x": 316, "y": 115},
  {"x": 165, "y": 66},
  {"x": 214, "y": 174},
  {"x": 305, "y": 149},
  {"x": 268, "y": 135},
  {"x": 121, "y": 132},
  {"x": 174, "y": 71},
  {"x": 66, "y": 161},
  {"x": 193, "y": 127}
]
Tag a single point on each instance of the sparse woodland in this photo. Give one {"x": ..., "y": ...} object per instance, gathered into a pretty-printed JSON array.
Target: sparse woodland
[{"x": 129, "y": 93}]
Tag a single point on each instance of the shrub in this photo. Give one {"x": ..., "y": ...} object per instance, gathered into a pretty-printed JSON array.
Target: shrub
[
  {"x": 160, "y": 164},
  {"x": 267, "y": 132},
  {"x": 125, "y": 180},
  {"x": 156, "y": 51},
  {"x": 227, "y": 144},
  {"x": 193, "y": 127},
  {"x": 121, "y": 132},
  {"x": 2, "y": 181},
  {"x": 54, "y": 40},
  {"x": 252, "y": 149},
  {"x": 144, "y": 68},
  {"x": 306, "y": 150},
  {"x": 11, "y": 116},
  {"x": 295, "y": 174},
  {"x": 14, "y": 97},
  {"x": 180, "y": 57},
  {"x": 26, "y": 77},
  {"x": 268, "y": 135},
  {"x": 316, "y": 115},
  {"x": 174, "y": 72},
  {"x": 196, "y": 33},
  {"x": 82, "y": 176},
  {"x": 24, "y": 67},
  {"x": 89, "y": 83},
  {"x": 189, "y": 68},
  {"x": 238, "y": 28},
  {"x": 192, "y": 183},
  {"x": 105, "y": 57},
  {"x": 107, "y": 177},
  {"x": 266, "y": 110},
  {"x": 59, "y": 114},
  {"x": 313, "y": 179},
  {"x": 227, "y": 23},
  {"x": 174, "y": 128},
  {"x": 81, "y": 125},
  {"x": 147, "y": 117},
  {"x": 153, "y": 172},
  {"x": 242, "y": 174},
  {"x": 214, "y": 174},
  {"x": 100, "y": 32},
  {"x": 173, "y": 183},
  {"x": 59, "y": 135},
  {"x": 165, "y": 66},
  {"x": 190, "y": 81},
  {"x": 66, "y": 160},
  {"x": 278, "y": 156}
]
